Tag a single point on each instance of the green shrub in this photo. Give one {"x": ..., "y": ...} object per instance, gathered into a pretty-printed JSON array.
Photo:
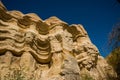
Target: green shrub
[
  {"x": 86, "y": 77},
  {"x": 16, "y": 74}
]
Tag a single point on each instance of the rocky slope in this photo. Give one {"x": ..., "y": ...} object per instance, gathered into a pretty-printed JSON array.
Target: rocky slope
[{"x": 36, "y": 49}]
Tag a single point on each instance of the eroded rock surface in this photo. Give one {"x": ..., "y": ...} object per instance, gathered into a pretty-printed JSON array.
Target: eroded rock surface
[{"x": 36, "y": 49}]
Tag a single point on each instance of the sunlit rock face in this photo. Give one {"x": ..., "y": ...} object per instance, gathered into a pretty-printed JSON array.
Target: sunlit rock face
[{"x": 36, "y": 49}]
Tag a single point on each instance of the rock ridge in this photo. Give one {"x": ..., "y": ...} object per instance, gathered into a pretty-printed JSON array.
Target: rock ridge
[{"x": 36, "y": 49}]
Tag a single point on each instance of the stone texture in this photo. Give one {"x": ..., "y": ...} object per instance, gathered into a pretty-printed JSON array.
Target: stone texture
[{"x": 36, "y": 49}]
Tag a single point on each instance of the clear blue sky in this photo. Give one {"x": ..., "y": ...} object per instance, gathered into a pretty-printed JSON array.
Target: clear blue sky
[{"x": 97, "y": 16}]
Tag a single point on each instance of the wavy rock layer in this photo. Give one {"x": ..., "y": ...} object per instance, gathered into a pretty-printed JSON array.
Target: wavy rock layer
[{"x": 33, "y": 49}]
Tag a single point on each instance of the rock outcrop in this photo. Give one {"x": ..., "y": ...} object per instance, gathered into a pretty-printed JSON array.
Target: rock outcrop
[{"x": 36, "y": 49}]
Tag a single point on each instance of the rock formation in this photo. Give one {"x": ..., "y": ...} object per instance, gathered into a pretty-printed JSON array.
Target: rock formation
[{"x": 36, "y": 49}]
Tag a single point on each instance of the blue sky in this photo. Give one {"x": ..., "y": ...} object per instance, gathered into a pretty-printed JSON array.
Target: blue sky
[{"x": 97, "y": 16}]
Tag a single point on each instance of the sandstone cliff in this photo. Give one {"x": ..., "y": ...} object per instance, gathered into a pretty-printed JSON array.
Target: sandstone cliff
[{"x": 36, "y": 49}]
